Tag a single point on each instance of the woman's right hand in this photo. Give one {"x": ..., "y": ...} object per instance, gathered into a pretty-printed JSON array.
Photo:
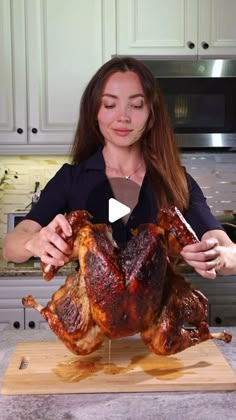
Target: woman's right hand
[{"x": 48, "y": 242}]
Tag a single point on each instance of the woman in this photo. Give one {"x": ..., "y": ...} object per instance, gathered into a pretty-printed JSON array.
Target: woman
[{"x": 123, "y": 132}]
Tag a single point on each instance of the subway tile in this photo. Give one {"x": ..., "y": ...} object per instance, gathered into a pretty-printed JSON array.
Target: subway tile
[{"x": 215, "y": 173}]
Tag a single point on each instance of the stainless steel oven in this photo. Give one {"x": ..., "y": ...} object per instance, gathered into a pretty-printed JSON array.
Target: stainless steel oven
[{"x": 201, "y": 99}]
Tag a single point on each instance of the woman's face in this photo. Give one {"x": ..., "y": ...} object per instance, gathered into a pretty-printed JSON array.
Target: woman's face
[{"x": 123, "y": 112}]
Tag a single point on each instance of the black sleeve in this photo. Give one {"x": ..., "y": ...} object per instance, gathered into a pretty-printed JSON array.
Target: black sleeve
[
  {"x": 199, "y": 215},
  {"x": 54, "y": 197}
]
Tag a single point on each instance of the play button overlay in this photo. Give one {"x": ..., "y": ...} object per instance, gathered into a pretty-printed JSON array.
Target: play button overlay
[{"x": 116, "y": 210}]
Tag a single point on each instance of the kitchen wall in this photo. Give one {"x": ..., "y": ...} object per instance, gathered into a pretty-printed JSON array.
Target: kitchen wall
[
  {"x": 215, "y": 173},
  {"x": 17, "y": 194}
]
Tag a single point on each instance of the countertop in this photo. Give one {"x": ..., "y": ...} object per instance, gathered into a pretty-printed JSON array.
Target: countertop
[
  {"x": 30, "y": 268},
  {"x": 118, "y": 406}
]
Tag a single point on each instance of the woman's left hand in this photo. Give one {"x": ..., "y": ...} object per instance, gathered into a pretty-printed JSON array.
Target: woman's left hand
[
  {"x": 204, "y": 257},
  {"x": 215, "y": 253}
]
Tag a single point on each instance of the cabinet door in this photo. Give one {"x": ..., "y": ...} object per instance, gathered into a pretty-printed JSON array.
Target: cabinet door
[
  {"x": 217, "y": 28},
  {"x": 157, "y": 27},
  {"x": 34, "y": 320},
  {"x": 64, "y": 49},
  {"x": 224, "y": 315},
  {"x": 13, "y": 121},
  {"x": 12, "y": 319}
]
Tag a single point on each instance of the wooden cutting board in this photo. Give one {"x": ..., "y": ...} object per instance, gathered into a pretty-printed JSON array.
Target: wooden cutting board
[{"x": 49, "y": 368}]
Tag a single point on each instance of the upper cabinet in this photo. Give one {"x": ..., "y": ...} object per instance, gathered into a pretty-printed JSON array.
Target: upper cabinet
[
  {"x": 13, "y": 113},
  {"x": 217, "y": 28},
  {"x": 156, "y": 27},
  {"x": 50, "y": 50},
  {"x": 176, "y": 27}
]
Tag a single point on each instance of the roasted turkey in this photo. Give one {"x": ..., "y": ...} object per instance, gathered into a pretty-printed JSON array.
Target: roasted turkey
[{"x": 122, "y": 292}]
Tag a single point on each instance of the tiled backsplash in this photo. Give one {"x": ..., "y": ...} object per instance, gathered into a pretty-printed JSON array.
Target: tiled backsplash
[
  {"x": 215, "y": 173},
  {"x": 17, "y": 194}
]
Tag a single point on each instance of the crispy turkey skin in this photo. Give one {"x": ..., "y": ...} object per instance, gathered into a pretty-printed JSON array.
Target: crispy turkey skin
[{"x": 118, "y": 293}]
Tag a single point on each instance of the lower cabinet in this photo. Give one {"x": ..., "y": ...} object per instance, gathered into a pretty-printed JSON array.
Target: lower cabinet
[
  {"x": 34, "y": 320},
  {"x": 223, "y": 315},
  {"x": 12, "y": 319},
  {"x": 13, "y": 315},
  {"x": 221, "y": 294}
]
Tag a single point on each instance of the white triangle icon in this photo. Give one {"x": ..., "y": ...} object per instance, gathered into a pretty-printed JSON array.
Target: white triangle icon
[{"x": 116, "y": 210}]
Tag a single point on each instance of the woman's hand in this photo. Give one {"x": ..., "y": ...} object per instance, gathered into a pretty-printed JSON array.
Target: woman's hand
[
  {"x": 49, "y": 245},
  {"x": 215, "y": 253},
  {"x": 203, "y": 256}
]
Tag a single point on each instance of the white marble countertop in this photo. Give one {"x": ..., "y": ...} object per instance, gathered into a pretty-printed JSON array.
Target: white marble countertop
[{"x": 118, "y": 406}]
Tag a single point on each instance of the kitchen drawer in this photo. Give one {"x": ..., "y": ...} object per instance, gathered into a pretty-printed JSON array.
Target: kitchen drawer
[
  {"x": 17, "y": 288},
  {"x": 12, "y": 319},
  {"x": 30, "y": 282},
  {"x": 221, "y": 286},
  {"x": 34, "y": 320},
  {"x": 13, "y": 315},
  {"x": 224, "y": 315}
]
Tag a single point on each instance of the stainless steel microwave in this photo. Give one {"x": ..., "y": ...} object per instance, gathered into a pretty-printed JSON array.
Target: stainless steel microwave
[
  {"x": 201, "y": 99},
  {"x": 14, "y": 218}
]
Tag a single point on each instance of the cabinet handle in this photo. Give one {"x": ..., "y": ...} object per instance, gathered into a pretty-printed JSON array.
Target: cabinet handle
[
  {"x": 31, "y": 324},
  {"x": 205, "y": 45},
  {"x": 191, "y": 45},
  {"x": 34, "y": 130},
  {"x": 218, "y": 320},
  {"x": 16, "y": 325},
  {"x": 19, "y": 130}
]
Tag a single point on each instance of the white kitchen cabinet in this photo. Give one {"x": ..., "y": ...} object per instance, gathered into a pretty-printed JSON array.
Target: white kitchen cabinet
[
  {"x": 51, "y": 48},
  {"x": 13, "y": 315},
  {"x": 221, "y": 294},
  {"x": 11, "y": 319},
  {"x": 13, "y": 112},
  {"x": 216, "y": 28},
  {"x": 176, "y": 27},
  {"x": 34, "y": 320},
  {"x": 223, "y": 315},
  {"x": 154, "y": 27}
]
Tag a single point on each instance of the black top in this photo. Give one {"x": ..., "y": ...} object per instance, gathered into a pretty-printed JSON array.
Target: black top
[{"x": 84, "y": 186}]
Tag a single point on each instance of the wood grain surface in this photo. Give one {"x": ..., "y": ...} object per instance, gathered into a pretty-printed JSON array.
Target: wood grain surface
[{"x": 49, "y": 368}]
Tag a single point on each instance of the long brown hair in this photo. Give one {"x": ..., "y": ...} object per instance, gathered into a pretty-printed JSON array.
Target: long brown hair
[{"x": 158, "y": 145}]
